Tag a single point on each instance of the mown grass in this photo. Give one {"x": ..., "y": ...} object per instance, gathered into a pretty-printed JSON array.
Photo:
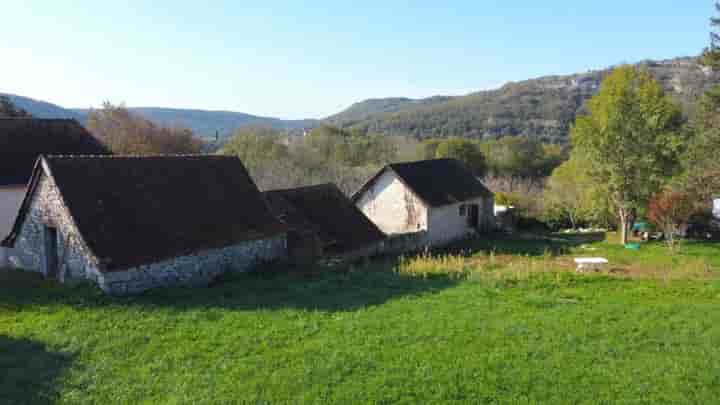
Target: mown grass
[{"x": 500, "y": 322}]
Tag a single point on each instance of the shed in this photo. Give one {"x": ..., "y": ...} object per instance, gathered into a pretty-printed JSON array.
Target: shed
[
  {"x": 323, "y": 221},
  {"x": 134, "y": 223},
  {"x": 440, "y": 197}
]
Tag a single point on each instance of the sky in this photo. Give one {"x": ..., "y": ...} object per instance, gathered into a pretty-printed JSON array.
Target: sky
[{"x": 311, "y": 59}]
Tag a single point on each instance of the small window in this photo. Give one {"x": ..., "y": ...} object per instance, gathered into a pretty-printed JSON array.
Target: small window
[{"x": 463, "y": 210}]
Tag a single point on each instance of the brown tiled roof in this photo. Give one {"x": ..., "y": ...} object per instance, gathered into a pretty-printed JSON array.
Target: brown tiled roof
[
  {"x": 326, "y": 212},
  {"x": 22, "y": 140},
  {"x": 437, "y": 182},
  {"x": 137, "y": 210}
]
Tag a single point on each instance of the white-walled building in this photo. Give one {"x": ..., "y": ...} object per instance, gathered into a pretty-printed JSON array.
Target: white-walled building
[{"x": 440, "y": 197}]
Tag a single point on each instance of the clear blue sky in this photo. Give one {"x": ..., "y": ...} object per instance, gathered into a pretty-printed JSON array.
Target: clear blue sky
[{"x": 293, "y": 59}]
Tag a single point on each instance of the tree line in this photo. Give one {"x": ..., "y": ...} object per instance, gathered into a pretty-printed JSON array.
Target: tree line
[{"x": 635, "y": 155}]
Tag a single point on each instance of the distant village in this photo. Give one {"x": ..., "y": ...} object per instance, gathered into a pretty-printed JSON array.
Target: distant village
[{"x": 73, "y": 211}]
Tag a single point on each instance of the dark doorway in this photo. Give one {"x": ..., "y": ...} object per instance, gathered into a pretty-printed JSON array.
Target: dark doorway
[
  {"x": 50, "y": 254},
  {"x": 473, "y": 215}
]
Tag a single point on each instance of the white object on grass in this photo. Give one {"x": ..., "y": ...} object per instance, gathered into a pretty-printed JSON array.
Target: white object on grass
[{"x": 590, "y": 263}]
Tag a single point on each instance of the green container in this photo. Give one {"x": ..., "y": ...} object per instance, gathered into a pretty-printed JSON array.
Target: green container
[{"x": 632, "y": 246}]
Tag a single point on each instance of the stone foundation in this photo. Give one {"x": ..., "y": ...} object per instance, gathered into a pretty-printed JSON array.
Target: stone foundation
[
  {"x": 76, "y": 262},
  {"x": 193, "y": 270}
]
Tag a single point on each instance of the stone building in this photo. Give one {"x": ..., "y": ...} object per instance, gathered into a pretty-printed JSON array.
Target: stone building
[
  {"x": 22, "y": 140},
  {"x": 134, "y": 223},
  {"x": 322, "y": 221},
  {"x": 439, "y": 197}
]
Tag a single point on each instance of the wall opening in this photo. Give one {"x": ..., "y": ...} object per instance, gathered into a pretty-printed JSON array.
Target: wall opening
[{"x": 50, "y": 252}]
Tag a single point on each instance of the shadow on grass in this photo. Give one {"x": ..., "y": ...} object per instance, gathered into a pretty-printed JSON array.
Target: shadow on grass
[
  {"x": 342, "y": 288},
  {"x": 523, "y": 244},
  {"x": 28, "y": 372}
]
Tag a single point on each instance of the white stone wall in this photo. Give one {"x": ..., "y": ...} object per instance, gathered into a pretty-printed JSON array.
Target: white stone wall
[
  {"x": 193, "y": 270},
  {"x": 10, "y": 199},
  {"x": 393, "y": 207},
  {"x": 46, "y": 207},
  {"x": 446, "y": 223},
  {"x": 76, "y": 261}
]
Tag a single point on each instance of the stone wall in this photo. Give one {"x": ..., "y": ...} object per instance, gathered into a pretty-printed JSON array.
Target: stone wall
[
  {"x": 10, "y": 199},
  {"x": 75, "y": 261},
  {"x": 392, "y": 206},
  {"x": 194, "y": 270},
  {"x": 449, "y": 222}
]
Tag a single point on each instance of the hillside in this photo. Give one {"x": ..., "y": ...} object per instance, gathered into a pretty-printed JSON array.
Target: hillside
[
  {"x": 203, "y": 122},
  {"x": 543, "y": 107},
  {"x": 43, "y": 109},
  {"x": 207, "y": 123},
  {"x": 367, "y": 108}
]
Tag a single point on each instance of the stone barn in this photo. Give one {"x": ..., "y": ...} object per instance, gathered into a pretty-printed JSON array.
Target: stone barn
[
  {"x": 22, "y": 140},
  {"x": 134, "y": 223},
  {"x": 322, "y": 221},
  {"x": 440, "y": 197}
]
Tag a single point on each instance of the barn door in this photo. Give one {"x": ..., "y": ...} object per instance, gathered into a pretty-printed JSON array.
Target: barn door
[
  {"x": 50, "y": 253},
  {"x": 473, "y": 215}
]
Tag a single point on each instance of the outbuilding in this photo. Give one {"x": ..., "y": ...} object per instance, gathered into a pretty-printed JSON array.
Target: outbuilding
[
  {"x": 134, "y": 223},
  {"x": 22, "y": 140},
  {"x": 440, "y": 197},
  {"x": 322, "y": 221}
]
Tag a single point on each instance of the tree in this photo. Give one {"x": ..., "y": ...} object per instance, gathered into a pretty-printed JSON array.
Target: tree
[
  {"x": 8, "y": 109},
  {"x": 428, "y": 148},
  {"x": 711, "y": 55},
  {"x": 128, "y": 134},
  {"x": 632, "y": 138},
  {"x": 569, "y": 193},
  {"x": 670, "y": 211},
  {"x": 701, "y": 177},
  {"x": 464, "y": 150}
]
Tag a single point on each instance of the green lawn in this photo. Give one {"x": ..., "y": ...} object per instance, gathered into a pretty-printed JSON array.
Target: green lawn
[{"x": 382, "y": 333}]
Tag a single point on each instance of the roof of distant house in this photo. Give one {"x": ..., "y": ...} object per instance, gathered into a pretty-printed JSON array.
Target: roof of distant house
[
  {"x": 138, "y": 210},
  {"x": 437, "y": 182},
  {"x": 326, "y": 212},
  {"x": 22, "y": 140}
]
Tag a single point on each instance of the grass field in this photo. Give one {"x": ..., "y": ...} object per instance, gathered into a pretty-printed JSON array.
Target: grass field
[{"x": 501, "y": 322}]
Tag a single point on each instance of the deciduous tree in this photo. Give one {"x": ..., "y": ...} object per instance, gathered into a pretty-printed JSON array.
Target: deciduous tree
[
  {"x": 126, "y": 133},
  {"x": 632, "y": 138}
]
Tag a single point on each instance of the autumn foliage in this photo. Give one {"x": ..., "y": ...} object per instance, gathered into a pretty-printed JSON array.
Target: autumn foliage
[
  {"x": 670, "y": 211},
  {"x": 126, "y": 133}
]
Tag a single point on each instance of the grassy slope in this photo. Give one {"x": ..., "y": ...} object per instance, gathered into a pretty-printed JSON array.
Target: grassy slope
[{"x": 377, "y": 337}]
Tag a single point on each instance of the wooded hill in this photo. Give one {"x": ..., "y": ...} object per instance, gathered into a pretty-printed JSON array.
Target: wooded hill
[{"x": 543, "y": 108}]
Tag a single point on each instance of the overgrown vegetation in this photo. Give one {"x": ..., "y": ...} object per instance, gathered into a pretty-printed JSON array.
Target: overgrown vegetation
[
  {"x": 126, "y": 133},
  {"x": 327, "y": 154},
  {"x": 491, "y": 321}
]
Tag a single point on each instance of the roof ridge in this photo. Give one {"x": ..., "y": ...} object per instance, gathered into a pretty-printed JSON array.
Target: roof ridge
[
  {"x": 319, "y": 185},
  {"x": 179, "y": 155}
]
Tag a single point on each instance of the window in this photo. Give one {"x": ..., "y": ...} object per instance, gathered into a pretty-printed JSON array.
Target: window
[{"x": 463, "y": 210}]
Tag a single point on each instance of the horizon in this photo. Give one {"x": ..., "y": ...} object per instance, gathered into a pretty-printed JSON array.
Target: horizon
[{"x": 328, "y": 69}]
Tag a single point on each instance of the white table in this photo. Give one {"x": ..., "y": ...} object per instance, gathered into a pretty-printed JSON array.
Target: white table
[{"x": 590, "y": 263}]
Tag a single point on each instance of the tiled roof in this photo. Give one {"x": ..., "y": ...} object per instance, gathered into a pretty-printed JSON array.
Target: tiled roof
[
  {"x": 437, "y": 182},
  {"x": 326, "y": 212},
  {"x": 137, "y": 210},
  {"x": 22, "y": 140}
]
